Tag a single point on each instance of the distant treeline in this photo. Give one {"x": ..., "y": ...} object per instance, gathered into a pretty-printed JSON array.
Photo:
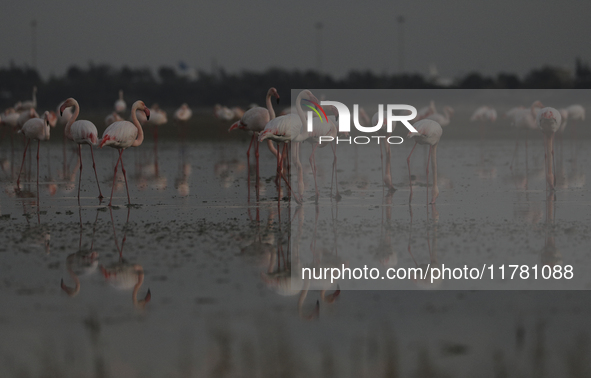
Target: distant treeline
[{"x": 97, "y": 86}]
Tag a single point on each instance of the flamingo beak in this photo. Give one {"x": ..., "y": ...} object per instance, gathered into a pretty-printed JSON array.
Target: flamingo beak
[
  {"x": 147, "y": 111},
  {"x": 234, "y": 126},
  {"x": 277, "y": 100}
]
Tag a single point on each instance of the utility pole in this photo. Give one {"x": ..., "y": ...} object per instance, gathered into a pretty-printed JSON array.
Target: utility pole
[
  {"x": 319, "y": 27},
  {"x": 34, "y": 43},
  {"x": 401, "y": 21}
]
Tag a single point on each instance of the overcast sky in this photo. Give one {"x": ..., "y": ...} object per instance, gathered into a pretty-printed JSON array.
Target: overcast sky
[{"x": 457, "y": 36}]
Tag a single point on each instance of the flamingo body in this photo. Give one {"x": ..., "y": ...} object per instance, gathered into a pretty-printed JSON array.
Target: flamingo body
[
  {"x": 183, "y": 113},
  {"x": 428, "y": 132},
  {"x": 120, "y": 135},
  {"x": 576, "y": 112}
]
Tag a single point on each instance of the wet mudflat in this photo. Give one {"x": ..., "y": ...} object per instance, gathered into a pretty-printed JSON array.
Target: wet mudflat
[{"x": 215, "y": 258}]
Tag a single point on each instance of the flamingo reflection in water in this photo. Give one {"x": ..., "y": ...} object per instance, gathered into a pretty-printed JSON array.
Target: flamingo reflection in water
[
  {"x": 124, "y": 275},
  {"x": 83, "y": 262},
  {"x": 425, "y": 281},
  {"x": 550, "y": 255}
]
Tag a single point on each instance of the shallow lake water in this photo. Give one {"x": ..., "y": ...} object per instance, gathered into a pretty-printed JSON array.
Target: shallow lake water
[{"x": 215, "y": 255}]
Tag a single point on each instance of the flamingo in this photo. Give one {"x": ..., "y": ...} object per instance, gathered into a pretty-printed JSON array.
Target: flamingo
[
  {"x": 549, "y": 121},
  {"x": 122, "y": 135},
  {"x": 442, "y": 119},
  {"x": 425, "y": 111},
  {"x": 254, "y": 121},
  {"x": 120, "y": 104},
  {"x": 576, "y": 112},
  {"x": 25, "y": 116},
  {"x": 319, "y": 129},
  {"x": 32, "y": 104},
  {"x": 484, "y": 114},
  {"x": 81, "y": 132},
  {"x": 285, "y": 129},
  {"x": 428, "y": 132},
  {"x": 223, "y": 112},
  {"x": 183, "y": 113},
  {"x": 112, "y": 118},
  {"x": 387, "y": 177},
  {"x": 124, "y": 275},
  {"x": 35, "y": 128}
]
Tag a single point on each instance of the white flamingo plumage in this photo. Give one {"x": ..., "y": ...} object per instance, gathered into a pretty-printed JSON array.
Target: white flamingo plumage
[
  {"x": 484, "y": 114},
  {"x": 576, "y": 112},
  {"x": 428, "y": 132},
  {"x": 122, "y": 135},
  {"x": 442, "y": 119},
  {"x": 120, "y": 104},
  {"x": 285, "y": 129},
  {"x": 30, "y": 104},
  {"x": 254, "y": 121},
  {"x": 183, "y": 114},
  {"x": 34, "y": 128},
  {"x": 549, "y": 121},
  {"x": 112, "y": 118},
  {"x": 25, "y": 116},
  {"x": 81, "y": 132}
]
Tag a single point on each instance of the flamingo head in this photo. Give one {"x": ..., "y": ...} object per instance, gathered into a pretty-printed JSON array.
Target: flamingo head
[
  {"x": 265, "y": 134},
  {"x": 308, "y": 95},
  {"x": 273, "y": 92},
  {"x": 66, "y": 104},
  {"x": 141, "y": 106},
  {"x": 52, "y": 118},
  {"x": 237, "y": 125}
]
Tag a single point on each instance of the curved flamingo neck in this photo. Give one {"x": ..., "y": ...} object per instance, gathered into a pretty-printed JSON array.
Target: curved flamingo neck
[
  {"x": 68, "y": 129},
  {"x": 140, "y": 132},
  {"x": 301, "y": 113},
  {"x": 270, "y": 105}
]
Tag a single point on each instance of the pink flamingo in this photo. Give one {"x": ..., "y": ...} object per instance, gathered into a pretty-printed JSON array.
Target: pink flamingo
[
  {"x": 549, "y": 120},
  {"x": 428, "y": 132},
  {"x": 122, "y": 135},
  {"x": 442, "y": 119},
  {"x": 35, "y": 128},
  {"x": 286, "y": 128},
  {"x": 120, "y": 104},
  {"x": 254, "y": 121},
  {"x": 81, "y": 132},
  {"x": 182, "y": 114}
]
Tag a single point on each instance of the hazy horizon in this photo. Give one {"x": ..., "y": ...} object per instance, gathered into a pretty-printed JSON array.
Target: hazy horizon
[{"x": 457, "y": 37}]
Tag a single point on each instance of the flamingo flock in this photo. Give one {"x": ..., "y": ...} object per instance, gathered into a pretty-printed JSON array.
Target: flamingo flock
[{"x": 283, "y": 134}]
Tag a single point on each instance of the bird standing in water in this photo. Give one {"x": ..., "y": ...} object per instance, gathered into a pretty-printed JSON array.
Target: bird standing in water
[
  {"x": 122, "y": 135},
  {"x": 428, "y": 132},
  {"x": 81, "y": 132}
]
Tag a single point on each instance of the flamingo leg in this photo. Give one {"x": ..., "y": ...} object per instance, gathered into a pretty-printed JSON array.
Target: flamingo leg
[
  {"x": 409, "y": 176},
  {"x": 298, "y": 200},
  {"x": 334, "y": 167},
  {"x": 114, "y": 178},
  {"x": 95, "y": 174},
  {"x": 18, "y": 180},
  {"x": 428, "y": 161},
  {"x": 38, "y": 144},
  {"x": 80, "y": 176},
  {"x": 313, "y": 165},
  {"x": 125, "y": 177},
  {"x": 256, "y": 155},
  {"x": 388, "y": 172}
]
